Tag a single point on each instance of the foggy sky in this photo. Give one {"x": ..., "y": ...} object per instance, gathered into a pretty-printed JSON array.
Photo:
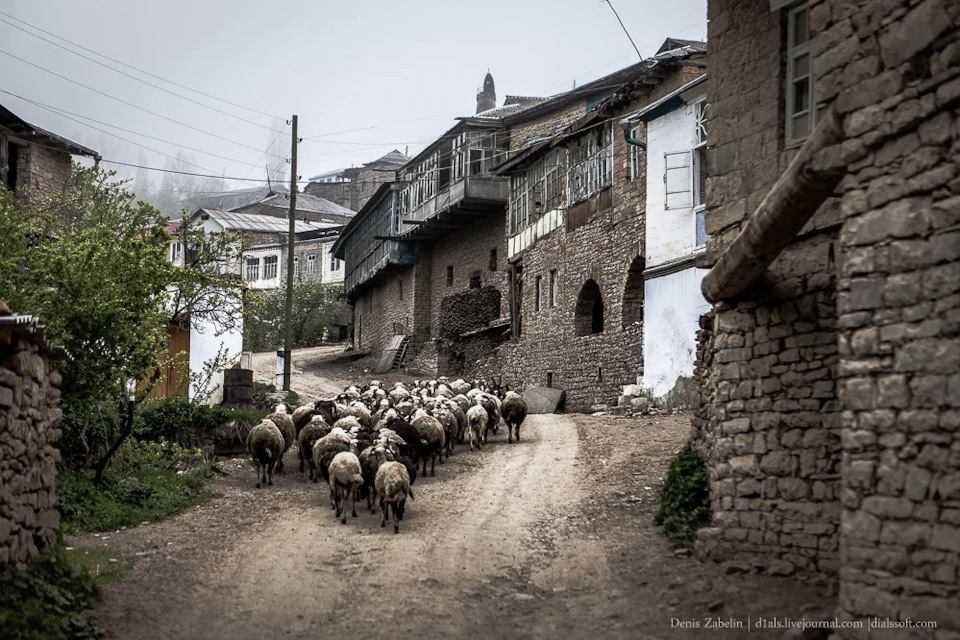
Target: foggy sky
[{"x": 387, "y": 74}]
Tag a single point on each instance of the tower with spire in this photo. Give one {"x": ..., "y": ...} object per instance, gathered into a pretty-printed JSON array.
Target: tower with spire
[{"x": 487, "y": 98}]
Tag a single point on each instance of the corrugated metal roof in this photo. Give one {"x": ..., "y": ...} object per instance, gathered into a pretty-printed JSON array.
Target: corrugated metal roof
[
  {"x": 308, "y": 202},
  {"x": 234, "y": 221},
  {"x": 230, "y": 200}
]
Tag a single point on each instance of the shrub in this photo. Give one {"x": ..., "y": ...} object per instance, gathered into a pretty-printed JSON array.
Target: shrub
[
  {"x": 52, "y": 599},
  {"x": 148, "y": 481},
  {"x": 683, "y": 505},
  {"x": 189, "y": 424}
]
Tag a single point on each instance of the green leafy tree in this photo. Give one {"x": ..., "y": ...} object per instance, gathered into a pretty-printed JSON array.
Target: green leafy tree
[
  {"x": 92, "y": 264},
  {"x": 316, "y": 306}
]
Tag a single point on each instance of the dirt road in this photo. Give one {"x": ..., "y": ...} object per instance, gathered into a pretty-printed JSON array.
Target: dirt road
[{"x": 551, "y": 537}]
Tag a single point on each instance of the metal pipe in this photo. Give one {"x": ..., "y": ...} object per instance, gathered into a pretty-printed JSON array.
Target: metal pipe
[{"x": 625, "y": 125}]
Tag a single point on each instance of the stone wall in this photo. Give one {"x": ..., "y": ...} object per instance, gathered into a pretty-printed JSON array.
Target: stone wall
[
  {"x": 829, "y": 388},
  {"x": 43, "y": 171},
  {"x": 386, "y": 301},
  {"x": 29, "y": 419}
]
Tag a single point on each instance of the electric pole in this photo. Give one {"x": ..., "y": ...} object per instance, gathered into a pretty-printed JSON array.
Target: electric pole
[{"x": 288, "y": 315}]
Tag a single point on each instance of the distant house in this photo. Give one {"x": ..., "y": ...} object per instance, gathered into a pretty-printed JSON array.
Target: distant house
[
  {"x": 355, "y": 186},
  {"x": 34, "y": 159},
  {"x": 275, "y": 201}
]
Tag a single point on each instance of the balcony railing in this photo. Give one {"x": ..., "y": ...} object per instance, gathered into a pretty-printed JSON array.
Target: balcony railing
[{"x": 591, "y": 175}]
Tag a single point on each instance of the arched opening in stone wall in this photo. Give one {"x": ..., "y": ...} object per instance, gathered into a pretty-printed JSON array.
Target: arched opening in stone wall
[
  {"x": 633, "y": 293},
  {"x": 588, "y": 314}
]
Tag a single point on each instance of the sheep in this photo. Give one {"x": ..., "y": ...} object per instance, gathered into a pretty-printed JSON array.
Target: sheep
[
  {"x": 450, "y": 427},
  {"x": 492, "y": 404},
  {"x": 411, "y": 467},
  {"x": 328, "y": 409},
  {"x": 265, "y": 445},
  {"x": 393, "y": 485},
  {"x": 315, "y": 430},
  {"x": 285, "y": 424},
  {"x": 460, "y": 387},
  {"x": 476, "y": 425},
  {"x": 460, "y": 415},
  {"x": 370, "y": 460},
  {"x": 514, "y": 411},
  {"x": 431, "y": 439},
  {"x": 302, "y": 416},
  {"x": 348, "y": 423},
  {"x": 325, "y": 450},
  {"x": 360, "y": 412},
  {"x": 345, "y": 478}
]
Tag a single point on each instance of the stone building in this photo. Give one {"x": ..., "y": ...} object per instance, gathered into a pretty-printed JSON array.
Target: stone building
[
  {"x": 353, "y": 187},
  {"x": 275, "y": 201},
  {"x": 828, "y": 364},
  {"x": 35, "y": 160},
  {"x": 29, "y": 429}
]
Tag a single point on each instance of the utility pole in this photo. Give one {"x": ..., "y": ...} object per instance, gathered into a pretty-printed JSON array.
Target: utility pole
[{"x": 288, "y": 315}]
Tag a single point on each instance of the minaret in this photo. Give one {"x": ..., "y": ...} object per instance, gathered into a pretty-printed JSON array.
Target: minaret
[{"x": 487, "y": 99}]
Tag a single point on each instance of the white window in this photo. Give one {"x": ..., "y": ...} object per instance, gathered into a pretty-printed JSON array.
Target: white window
[
  {"x": 334, "y": 263},
  {"x": 253, "y": 268},
  {"x": 700, "y": 173},
  {"x": 677, "y": 180},
  {"x": 591, "y": 164},
  {"x": 311, "y": 264},
  {"x": 176, "y": 252},
  {"x": 270, "y": 267},
  {"x": 636, "y": 159},
  {"x": 800, "y": 115},
  {"x": 539, "y": 190},
  {"x": 553, "y": 287},
  {"x": 296, "y": 265}
]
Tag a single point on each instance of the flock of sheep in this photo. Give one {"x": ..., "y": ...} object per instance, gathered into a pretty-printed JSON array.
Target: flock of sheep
[{"x": 368, "y": 442}]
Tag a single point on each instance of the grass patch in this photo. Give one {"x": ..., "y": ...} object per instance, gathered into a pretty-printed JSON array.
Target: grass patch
[
  {"x": 148, "y": 481},
  {"x": 52, "y": 599},
  {"x": 102, "y": 564},
  {"x": 683, "y": 505}
]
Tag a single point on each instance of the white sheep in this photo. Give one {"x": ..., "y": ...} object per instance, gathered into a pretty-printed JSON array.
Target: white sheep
[
  {"x": 346, "y": 476},
  {"x": 476, "y": 425}
]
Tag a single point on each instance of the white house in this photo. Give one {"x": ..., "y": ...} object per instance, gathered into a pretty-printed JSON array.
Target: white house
[{"x": 675, "y": 234}]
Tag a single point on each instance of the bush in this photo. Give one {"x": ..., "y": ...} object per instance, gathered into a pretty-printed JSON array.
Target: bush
[
  {"x": 188, "y": 424},
  {"x": 683, "y": 505},
  {"x": 147, "y": 481},
  {"x": 52, "y": 599}
]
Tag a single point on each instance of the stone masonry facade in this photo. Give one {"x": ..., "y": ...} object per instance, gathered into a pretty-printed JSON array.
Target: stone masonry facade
[
  {"x": 829, "y": 410},
  {"x": 29, "y": 428}
]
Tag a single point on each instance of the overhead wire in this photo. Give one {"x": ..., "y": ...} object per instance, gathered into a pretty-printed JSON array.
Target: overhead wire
[
  {"x": 130, "y": 66},
  {"x": 130, "y": 104},
  {"x": 149, "y": 84}
]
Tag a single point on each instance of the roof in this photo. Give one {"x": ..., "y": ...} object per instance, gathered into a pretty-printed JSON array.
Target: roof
[
  {"x": 393, "y": 158},
  {"x": 234, "y": 221},
  {"x": 307, "y": 202},
  {"x": 665, "y": 104},
  {"x": 327, "y": 174},
  {"x": 41, "y": 137},
  {"x": 24, "y": 324}
]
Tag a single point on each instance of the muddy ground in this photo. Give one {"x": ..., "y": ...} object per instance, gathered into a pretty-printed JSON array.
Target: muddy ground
[{"x": 549, "y": 538}]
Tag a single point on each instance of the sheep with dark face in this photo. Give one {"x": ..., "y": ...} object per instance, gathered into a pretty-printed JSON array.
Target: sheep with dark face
[
  {"x": 393, "y": 486},
  {"x": 492, "y": 405},
  {"x": 265, "y": 445},
  {"x": 514, "y": 411},
  {"x": 371, "y": 459},
  {"x": 309, "y": 435},
  {"x": 346, "y": 477}
]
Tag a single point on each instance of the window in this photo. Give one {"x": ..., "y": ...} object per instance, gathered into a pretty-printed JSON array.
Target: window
[
  {"x": 493, "y": 259},
  {"x": 296, "y": 265},
  {"x": 632, "y": 311},
  {"x": 270, "y": 267},
  {"x": 800, "y": 116},
  {"x": 450, "y": 275},
  {"x": 539, "y": 190},
  {"x": 700, "y": 173},
  {"x": 677, "y": 180},
  {"x": 636, "y": 166},
  {"x": 591, "y": 164},
  {"x": 176, "y": 252},
  {"x": 311, "y": 264},
  {"x": 253, "y": 268},
  {"x": 539, "y": 293},
  {"x": 553, "y": 288},
  {"x": 334, "y": 263},
  {"x": 475, "y": 280},
  {"x": 400, "y": 287}
]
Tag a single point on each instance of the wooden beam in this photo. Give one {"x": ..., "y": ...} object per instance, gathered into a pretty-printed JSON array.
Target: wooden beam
[{"x": 792, "y": 201}]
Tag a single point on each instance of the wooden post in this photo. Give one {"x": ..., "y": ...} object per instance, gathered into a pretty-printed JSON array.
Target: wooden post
[{"x": 288, "y": 314}]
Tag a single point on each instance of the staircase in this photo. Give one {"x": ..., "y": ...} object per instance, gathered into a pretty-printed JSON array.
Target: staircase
[
  {"x": 401, "y": 353},
  {"x": 394, "y": 354}
]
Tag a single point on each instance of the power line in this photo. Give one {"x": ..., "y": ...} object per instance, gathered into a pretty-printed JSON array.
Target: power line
[
  {"x": 65, "y": 113},
  {"x": 130, "y": 66},
  {"x": 149, "y": 84},
  {"x": 264, "y": 154},
  {"x": 130, "y": 104},
  {"x": 629, "y": 37},
  {"x": 187, "y": 173}
]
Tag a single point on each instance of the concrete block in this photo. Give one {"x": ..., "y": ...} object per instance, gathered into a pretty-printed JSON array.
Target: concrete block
[{"x": 543, "y": 399}]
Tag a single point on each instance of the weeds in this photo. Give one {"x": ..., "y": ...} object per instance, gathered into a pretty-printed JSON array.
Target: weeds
[{"x": 683, "y": 505}]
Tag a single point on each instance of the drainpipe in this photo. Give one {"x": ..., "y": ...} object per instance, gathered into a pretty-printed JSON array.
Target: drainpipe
[{"x": 625, "y": 124}]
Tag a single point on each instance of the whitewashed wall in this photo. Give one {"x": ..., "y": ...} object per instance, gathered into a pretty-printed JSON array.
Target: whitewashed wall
[
  {"x": 671, "y": 234},
  {"x": 672, "y": 308},
  {"x": 205, "y": 343},
  {"x": 328, "y": 276},
  {"x": 260, "y": 254}
]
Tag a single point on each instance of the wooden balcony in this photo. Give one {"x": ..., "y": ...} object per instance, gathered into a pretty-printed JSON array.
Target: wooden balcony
[{"x": 455, "y": 207}]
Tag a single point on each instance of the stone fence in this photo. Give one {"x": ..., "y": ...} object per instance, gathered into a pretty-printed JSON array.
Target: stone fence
[{"x": 29, "y": 427}]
